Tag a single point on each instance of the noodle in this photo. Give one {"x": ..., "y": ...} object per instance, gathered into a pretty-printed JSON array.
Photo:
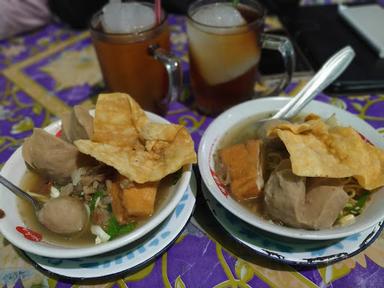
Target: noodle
[{"x": 352, "y": 188}]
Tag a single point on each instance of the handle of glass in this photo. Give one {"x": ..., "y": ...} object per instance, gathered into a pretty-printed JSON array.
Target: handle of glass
[
  {"x": 175, "y": 76},
  {"x": 284, "y": 46}
]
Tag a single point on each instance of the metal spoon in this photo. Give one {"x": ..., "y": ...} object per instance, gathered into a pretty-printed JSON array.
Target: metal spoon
[
  {"x": 325, "y": 76},
  {"x": 54, "y": 220},
  {"x": 37, "y": 205}
]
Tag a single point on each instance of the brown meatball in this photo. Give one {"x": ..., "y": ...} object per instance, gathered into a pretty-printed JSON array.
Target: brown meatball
[{"x": 64, "y": 215}]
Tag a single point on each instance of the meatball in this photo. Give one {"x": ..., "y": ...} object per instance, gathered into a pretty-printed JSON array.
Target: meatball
[{"x": 64, "y": 215}]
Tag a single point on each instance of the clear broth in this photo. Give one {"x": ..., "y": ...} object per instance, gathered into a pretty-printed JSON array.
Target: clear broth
[{"x": 33, "y": 182}]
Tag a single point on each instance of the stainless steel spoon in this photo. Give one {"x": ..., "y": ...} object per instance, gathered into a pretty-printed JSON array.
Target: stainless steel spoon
[
  {"x": 325, "y": 76},
  {"x": 37, "y": 205},
  {"x": 50, "y": 213}
]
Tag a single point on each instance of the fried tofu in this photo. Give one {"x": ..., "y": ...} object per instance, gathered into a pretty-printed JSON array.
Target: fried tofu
[
  {"x": 139, "y": 200},
  {"x": 118, "y": 210},
  {"x": 243, "y": 164},
  {"x": 135, "y": 201}
]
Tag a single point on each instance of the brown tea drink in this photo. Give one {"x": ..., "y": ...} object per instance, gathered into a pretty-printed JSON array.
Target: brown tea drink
[
  {"x": 224, "y": 52},
  {"x": 126, "y": 63}
]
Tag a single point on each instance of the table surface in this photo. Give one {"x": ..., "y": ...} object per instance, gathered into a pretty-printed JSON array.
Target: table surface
[{"x": 46, "y": 72}]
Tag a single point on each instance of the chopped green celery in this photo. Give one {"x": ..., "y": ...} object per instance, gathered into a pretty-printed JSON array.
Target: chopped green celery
[
  {"x": 95, "y": 196},
  {"x": 358, "y": 206},
  {"x": 114, "y": 229},
  {"x": 362, "y": 199}
]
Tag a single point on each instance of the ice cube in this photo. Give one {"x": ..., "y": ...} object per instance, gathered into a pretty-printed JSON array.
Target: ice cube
[
  {"x": 127, "y": 17},
  {"x": 219, "y": 14},
  {"x": 221, "y": 57}
]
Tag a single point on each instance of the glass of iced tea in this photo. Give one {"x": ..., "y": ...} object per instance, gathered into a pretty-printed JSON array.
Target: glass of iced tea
[
  {"x": 225, "y": 41},
  {"x": 132, "y": 47}
]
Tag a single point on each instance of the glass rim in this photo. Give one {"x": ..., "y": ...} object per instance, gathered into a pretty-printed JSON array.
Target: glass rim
[
  {"x": 95, "y": 20},
  {"x": 250, "y": 3}
]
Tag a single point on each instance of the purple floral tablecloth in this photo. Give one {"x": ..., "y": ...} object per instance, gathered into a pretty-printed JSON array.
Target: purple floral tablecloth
[{"x": 46, "y": 72}]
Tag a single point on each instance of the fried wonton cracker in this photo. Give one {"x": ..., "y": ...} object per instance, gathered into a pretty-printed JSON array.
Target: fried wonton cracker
[
  {"x": 138, "y": 149},
  {"x": 317, "y": 150},
  {"x": 117, "y": 120}
]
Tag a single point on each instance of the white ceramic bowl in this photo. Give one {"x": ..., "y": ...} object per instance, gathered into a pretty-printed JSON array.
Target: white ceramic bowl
[
  {"x": 15, "y": 168},
  {"x": 224, "y": 122}
]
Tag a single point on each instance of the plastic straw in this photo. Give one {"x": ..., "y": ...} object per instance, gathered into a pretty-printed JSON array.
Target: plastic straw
[{"x": 158, "y": 11}]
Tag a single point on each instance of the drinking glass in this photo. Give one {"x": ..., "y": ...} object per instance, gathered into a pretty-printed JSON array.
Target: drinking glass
[
  {"x": 139, "y": 63},
  {"x": 224, "y": 56}
]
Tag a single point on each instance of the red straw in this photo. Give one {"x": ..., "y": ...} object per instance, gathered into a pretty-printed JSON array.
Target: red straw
[{"x": 158, "y": 11}]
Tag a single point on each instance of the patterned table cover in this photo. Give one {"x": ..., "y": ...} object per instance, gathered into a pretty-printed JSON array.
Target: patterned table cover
[{"x": 46, "y": 72}]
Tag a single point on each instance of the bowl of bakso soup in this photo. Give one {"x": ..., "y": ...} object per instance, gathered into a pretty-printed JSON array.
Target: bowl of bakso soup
[
  {"x": 127, "y": 168},
  {"x": 319, "y": 175}
]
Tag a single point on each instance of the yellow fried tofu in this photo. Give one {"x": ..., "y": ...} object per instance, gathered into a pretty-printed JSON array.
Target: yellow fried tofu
[
  {"x": 243, "y": 164},
  {"x": 117, "y": 207},
  {"x": 139, "y": 200}
]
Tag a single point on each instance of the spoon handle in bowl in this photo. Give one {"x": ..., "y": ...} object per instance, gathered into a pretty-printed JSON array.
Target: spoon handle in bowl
[
  {"x": 324, "y": 77},
  {"x": 20, "y": 193}
]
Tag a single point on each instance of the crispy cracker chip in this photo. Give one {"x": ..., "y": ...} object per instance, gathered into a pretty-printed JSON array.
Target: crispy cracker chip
[
  {"x": 117, "y": 120},
  {"x": 159, "y": 131},
  {"x": 140, "y": 150},
  {"x": 321, "y": 151}
]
